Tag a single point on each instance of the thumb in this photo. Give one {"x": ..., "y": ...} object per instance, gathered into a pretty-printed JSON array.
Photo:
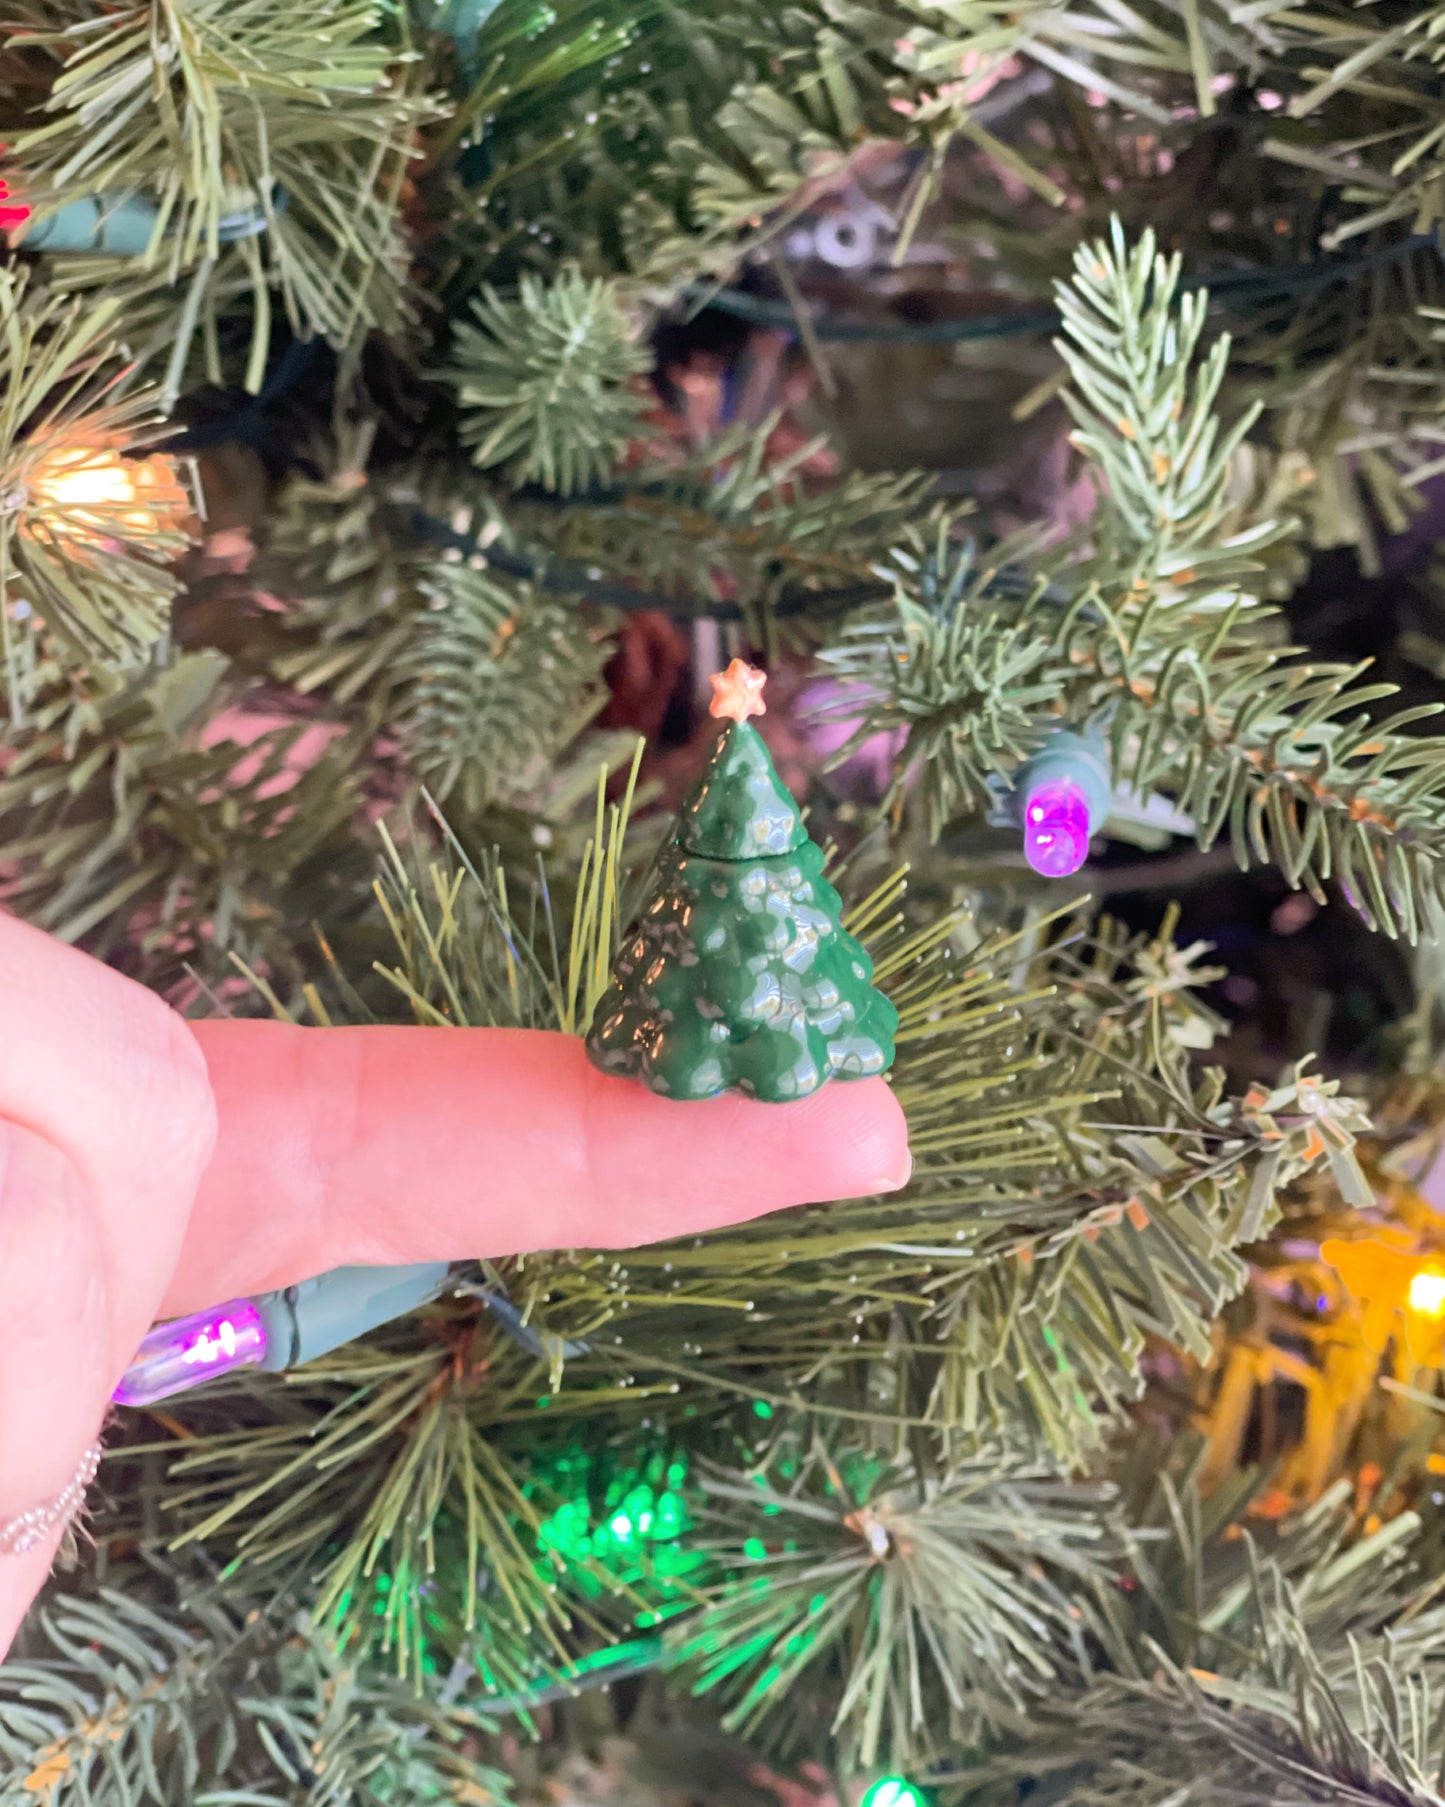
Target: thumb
[{"x": 106, "y": 1121}]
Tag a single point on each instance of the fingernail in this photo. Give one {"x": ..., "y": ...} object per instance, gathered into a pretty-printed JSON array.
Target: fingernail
[{"x": 900, "y": 1177}]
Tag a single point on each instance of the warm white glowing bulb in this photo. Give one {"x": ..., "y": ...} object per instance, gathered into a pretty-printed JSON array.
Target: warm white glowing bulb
[
  {"x": 1427, "y": 1293},
  {"x": 87, "y": 482},
  {"x": 92, "y": 496}
]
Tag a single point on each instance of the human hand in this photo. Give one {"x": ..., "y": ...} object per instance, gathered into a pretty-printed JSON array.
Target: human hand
[{"x": 150, "y": 1167}]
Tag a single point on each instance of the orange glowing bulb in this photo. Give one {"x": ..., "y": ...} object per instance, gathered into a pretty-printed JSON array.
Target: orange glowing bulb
[
  {"x": 81, "y": 481},
  {"x": 1427, "y": 1293},
  {"x": 91, "y": 495}
]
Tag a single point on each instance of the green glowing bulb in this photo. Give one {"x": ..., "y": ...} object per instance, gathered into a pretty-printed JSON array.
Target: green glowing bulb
[{"x": 893, "y": 1791}]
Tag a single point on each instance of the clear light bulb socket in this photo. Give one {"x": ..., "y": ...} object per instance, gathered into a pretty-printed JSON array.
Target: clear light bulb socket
[
  {"x": 105, "y": 225},
  {"x": 112, "y": 225},
  {"x": 187, "y": 1352}
]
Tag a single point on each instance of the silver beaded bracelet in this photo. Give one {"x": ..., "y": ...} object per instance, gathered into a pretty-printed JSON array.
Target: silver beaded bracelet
[{"x": 30, "y": 1529}]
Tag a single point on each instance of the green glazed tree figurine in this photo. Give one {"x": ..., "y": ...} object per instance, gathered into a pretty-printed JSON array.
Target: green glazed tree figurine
[{"x": 740, "y": 975}]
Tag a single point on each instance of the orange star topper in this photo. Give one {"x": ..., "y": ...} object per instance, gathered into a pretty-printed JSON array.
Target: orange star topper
[{"x": 738, "y": 691}]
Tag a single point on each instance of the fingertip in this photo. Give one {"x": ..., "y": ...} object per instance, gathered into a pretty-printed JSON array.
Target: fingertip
[
  {"x": 665, "y": 1169},
  {"x": 848, "y": 1140}
]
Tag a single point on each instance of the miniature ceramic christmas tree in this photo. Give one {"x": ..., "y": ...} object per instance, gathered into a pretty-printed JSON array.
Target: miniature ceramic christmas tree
[{"x": 740, "y": 975}]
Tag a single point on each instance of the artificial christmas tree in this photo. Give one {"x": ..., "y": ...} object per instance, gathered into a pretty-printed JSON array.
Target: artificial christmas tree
[
  {"x": 739, "y": 974},
  {"x": 385, "y": 389}
]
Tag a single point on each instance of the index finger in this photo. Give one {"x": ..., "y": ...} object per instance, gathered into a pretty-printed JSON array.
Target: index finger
[{"x": 379, "y": 1145}]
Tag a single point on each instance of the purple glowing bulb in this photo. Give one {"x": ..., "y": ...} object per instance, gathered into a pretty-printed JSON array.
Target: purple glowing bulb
[
  {"x": 1056, "y": 827},
  {"x": 187, "y": 1352}
]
